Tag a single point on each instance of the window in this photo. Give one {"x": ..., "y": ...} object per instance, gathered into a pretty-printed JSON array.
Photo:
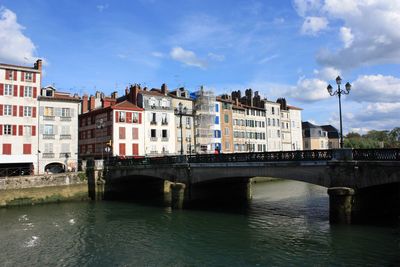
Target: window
[
  {"x": 65, "y": 112},
  {"x": 269, "y": 122},
  {"x": 48, "y": 129},
  {"x": 216, "y": 107},
  {"x": 135, "y": 133},
  {"x": 8, "y": 89},
  {"x": 27, "y": 111},
  {"x": 273, "y": 110},
  {"x": 65, "y": 130},
  {"x": 28, "y": 76},
  {"x": 28, "y": 91},
  {"x": 121, "y": 132},
  {"x": 9, "y": 74},
  {"x": 216, "y": 119},
  {"x": 226, "y": 131},
  {"x": 273, "y": 122},
  {"x": 122, "y": 116},
  {"x": 226, "y": 118},
  {"x": 164, "y": 134},
  {"x": 164, "y": 120},
  {"x": 49, "y": 92},
  {"x": 6, "y": 149},
  {"x": 153, "y": 133},
  {"x": 135, "y": 117},
  {"x": 279, "y": 133},
  {"x": 227, "y": 145},
  {"x": 8, "y": 110},
  {"x": 65, "y": 148},
  {"x": 48, "y": 148},
  {"x": 48, "y": 111},
  {"x": 7, "y": 129},
  {"x": 27, "y": 149},
  {"x": 27, "y": 130}
]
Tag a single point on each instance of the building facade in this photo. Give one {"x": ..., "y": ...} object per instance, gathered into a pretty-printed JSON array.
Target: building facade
[
  {"x": 19, "y": 89},
  {"x": 314, "y": 137},
  {"x": 58, "y": 130}
]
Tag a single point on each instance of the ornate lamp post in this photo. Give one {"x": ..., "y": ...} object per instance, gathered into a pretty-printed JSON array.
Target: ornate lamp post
[
  {"x": 339, "y": 92},
  {"x": 181, "y": 111}
]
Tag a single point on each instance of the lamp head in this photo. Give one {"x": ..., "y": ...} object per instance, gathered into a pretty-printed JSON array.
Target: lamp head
[
  {"x": 329, "y": 88},
  {"x": 338, "y": 80},
  {"x": 348, "y": 87}
]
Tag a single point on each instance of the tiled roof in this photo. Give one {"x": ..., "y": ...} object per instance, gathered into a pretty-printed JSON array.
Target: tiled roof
[
  {"x": 126, "y": 105},
  {"x": 293, "y": 107}
]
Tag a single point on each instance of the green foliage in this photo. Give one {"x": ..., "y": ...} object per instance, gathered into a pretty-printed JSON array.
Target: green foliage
[
  {"x": 374, "y": 139},
  {"x": 82, "y": 176}
]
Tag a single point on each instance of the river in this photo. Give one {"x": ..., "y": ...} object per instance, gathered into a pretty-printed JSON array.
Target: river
[{"x": 286, "y": 224}]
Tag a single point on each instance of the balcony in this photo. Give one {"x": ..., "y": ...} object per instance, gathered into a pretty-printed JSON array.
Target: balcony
[
  {"x": 48, "y": 118},
  {"x": 188, "y": 126},
  {"x": 164, "y": 122},
  {"x": 47, "y": 155},
  {"x": 65, "y": 136},
  {"x": 153, "y": 123},
  {"x": 188, "y": 139},
  {"x": 65, "y": 155},
  {"x": 65, "y": 118},
  {"x": 48, "y": 136},
  {"x": 153, "y": 139},
  {"x": 164, "y": 139}
]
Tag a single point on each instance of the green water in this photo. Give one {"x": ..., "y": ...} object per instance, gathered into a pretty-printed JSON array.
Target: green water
[{"x": 286, "y": 224}]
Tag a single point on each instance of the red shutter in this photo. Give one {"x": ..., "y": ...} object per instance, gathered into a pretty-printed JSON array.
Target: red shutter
[
  {"x": 15, "y": 90},
  {"x": 122, "y": 149},
  {"x": 22, "y": 76},
  {"x": 6, "y": 149},
  {"x": 140, "y": 118},
  {"x": 129, "y": 117},
  {"x": 1, "y": 129},
  {"x": 135, "y": 149},
  {"x": 34, "y": 112},
  {"x": 15, "y": 75},
  {"x": 21, "y": 111},
  {"x": 27, "y": 149},
  {"x": 21, "y": 91},
  {"x": 34, "y": 77},
  {"x": 1, "y": 110},
  {"x": 14, "y": 130},
  {"x": 33, "y": 130},
  {"x": 14, "y": 111},
  {"x": 1, "y": 89},
  {"x": 135, "y": 133},
  {"x": 121, "y": 132},
  {"x": 116, "y": 116},
  {"x": 20, "y": 130},
  {"x": 34, "y": 92}
]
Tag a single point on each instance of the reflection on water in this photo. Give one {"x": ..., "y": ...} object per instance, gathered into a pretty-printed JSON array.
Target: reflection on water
[{"x": 286, "y": 224}]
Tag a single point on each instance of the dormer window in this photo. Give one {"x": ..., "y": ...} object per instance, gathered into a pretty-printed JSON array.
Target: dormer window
[{"x": 49, "y": 92}]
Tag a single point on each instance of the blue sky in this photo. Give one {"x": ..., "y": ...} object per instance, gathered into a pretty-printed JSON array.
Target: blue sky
[{"x": 282, "y": 48}]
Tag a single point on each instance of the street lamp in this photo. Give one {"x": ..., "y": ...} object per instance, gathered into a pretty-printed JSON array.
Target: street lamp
[
  {"x": 339, "y": 92},
  {"x": 181, "y": 111},
  {"x": 99, "y": 126}
]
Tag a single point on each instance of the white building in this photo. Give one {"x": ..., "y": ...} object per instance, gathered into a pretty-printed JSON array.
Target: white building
[
  {"x": 19, "y": 88},
  {"x": 295, "y": 128},
  {"x": 273, "y": 126},
  {"x": 58, "y": 130}
]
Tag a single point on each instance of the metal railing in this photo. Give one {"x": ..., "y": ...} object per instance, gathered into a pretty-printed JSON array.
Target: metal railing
[
  {"x": 300, "y": 155},
  {"x": 386, "y": 154}
]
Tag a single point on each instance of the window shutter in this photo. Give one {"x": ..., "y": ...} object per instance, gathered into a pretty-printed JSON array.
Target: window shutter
[
  {"x": 15, "y": 75},
  {"x": 116, "y": 116},
  {"x": 34, "y": 112},
  {"x": 14, "y": 130},
  {"x": 1, "y": 110},
  {"x": 21, "y": 111},
  {"x": 41, "y": 111},
  {"x": 15, "y": 90},
  {"x": 33, "y": 130},
  {"x": 20, "y": 130},
  {"x": 140, "y": 118},
  {"x": 14, "y": 112},
  {"x": 22, "y": 76},
  {"x": 1, "y": 89},
  {"x": 34, "y": 92},
  {"x": 34, "y": 77},
  {"x": 21, "y": 91},
  {"x": 1, "y": 129},
  {"x": 129, "y": 117}
]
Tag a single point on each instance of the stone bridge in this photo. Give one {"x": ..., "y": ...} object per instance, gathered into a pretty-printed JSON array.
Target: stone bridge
[{"x": 361, "y": 183}]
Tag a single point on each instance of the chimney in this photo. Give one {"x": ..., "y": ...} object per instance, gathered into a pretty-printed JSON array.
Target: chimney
[
  {"x": 126, "y": 91},
  {"x": 92, "y": 103},
  {"x": 114, "y": 95},
  {"x": 85, "y": 103},
  {"x": 164, "y": 89},
  {"x": 236, "y": 101},
  {"x": 38, "y": 65},
  {"x": 134, "y": 90}
]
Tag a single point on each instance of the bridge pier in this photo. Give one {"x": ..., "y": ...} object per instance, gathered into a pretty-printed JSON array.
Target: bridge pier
[
  {"x": 340, "y": 204},
  {"x": 177, "y": 195},
  {"x": 96, "y": 183}
]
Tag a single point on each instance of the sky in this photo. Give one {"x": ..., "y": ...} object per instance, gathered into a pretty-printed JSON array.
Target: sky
[{"x": 290, "y": 49}]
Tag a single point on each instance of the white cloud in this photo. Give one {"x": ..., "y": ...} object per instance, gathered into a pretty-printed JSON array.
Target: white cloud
[
  {"x": 313, "y": 25},
  {"x": 187, "y": 57},
  {"x": 376, "y": 88},
  {"x": 216, "y": 57},
  {"x": 327, "y": 73},
  {"x": 366, "y": 28},
  {"x": 15, "y": 47},
  {"x": 346, "y": 36},
  {"x": 157, "y": 54},
  {"x": 308, "y": 90}
]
